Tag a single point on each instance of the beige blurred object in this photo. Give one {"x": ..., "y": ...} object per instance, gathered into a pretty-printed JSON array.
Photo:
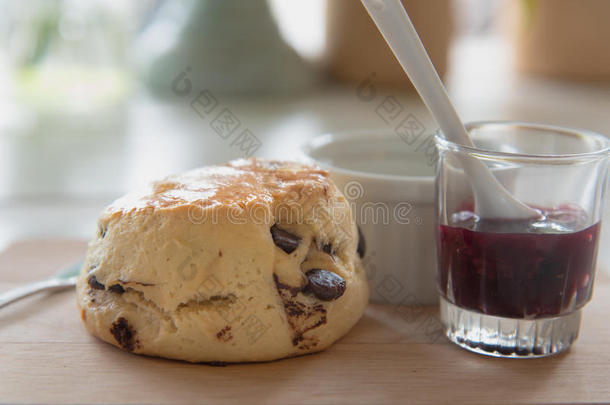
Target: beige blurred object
[
  {"x": 562, "y": 38},
  {"x": 355, "y": 49}
]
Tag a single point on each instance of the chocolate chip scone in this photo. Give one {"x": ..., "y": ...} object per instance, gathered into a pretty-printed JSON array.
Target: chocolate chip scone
[{"x": 249, "y": 261}]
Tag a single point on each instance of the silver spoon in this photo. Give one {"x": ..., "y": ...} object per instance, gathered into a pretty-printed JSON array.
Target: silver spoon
[{"x": 62, "y": 280}]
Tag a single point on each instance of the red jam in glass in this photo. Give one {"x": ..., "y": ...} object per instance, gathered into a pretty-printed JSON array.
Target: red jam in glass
[{"x": 516, "y": 268}]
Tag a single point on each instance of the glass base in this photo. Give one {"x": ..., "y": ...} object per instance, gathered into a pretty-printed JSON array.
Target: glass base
[{"x": 508, "y": 337}]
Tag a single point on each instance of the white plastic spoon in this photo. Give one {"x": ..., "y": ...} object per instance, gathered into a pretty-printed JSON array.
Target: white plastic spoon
[{"x": 492, "y": 200}]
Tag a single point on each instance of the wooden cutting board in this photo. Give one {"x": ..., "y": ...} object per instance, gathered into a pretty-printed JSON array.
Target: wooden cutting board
[{"x": 394, "y": 355}]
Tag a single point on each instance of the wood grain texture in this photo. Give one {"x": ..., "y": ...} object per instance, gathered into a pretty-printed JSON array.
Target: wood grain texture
[{"x": 394, "y": 355}]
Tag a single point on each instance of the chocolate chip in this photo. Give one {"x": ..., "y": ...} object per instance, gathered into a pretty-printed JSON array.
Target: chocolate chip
[
  {"x": 328, "y": 248},
  {"x": 96, "y": 285},
  {"x": 123, "y": 334},
  {"x": 325, "y": 284},
  {"x": 224, "y": 335},
  {"x": 284, "y": 240},
  {"x": 116, "y": 288},
  {"x": 361, "y": 244}
]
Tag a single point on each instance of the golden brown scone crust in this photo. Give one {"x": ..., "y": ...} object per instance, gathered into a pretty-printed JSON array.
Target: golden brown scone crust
[{"x": 188, "y": 268}]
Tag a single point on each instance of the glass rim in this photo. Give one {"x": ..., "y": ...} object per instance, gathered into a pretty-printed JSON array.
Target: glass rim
[{"x": 602, "y": 152}]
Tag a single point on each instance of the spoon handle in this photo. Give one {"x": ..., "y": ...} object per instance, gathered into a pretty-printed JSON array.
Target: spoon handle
[
  {"x": 52, "y": 284},
  {"x": 396, "y": 27},
  {"x": 492, "y": 200}
]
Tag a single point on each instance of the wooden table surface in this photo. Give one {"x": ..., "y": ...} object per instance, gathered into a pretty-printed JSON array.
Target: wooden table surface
[{"x": 394, "y": 355}]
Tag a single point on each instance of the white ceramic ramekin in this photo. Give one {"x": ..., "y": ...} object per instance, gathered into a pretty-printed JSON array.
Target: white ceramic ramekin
[{"x": 390, "y": 184}]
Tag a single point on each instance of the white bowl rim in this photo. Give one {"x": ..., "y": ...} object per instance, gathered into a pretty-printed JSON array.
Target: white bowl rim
[{"x": 320, "y": 141}]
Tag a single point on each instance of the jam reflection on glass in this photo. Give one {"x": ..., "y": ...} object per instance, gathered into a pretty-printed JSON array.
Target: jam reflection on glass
[{"x": 516, "y": 268}]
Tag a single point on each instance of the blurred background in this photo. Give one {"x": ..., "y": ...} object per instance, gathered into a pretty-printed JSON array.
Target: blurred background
[{"x": 100, "y": 97}]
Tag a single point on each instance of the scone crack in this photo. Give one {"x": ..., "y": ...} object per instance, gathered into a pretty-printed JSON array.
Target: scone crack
[
  {"x": 302, "y": 316},
  {"x": 117, "y": 288},
  {"x": 198, "y": 304},
  {"x": 140, "y": 283},
  {"x": 306, "y": 343},
  {"x": 143, "y": 303},
  {"x": 293, "y": 291},
  {"x": 298, "y": 316}
]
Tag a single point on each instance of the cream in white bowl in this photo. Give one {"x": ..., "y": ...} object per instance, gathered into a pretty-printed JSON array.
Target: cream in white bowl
[{"x": 390, "y": 185}]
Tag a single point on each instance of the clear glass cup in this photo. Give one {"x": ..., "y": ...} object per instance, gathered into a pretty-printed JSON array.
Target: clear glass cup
[{"x": 515, "y": 288}]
